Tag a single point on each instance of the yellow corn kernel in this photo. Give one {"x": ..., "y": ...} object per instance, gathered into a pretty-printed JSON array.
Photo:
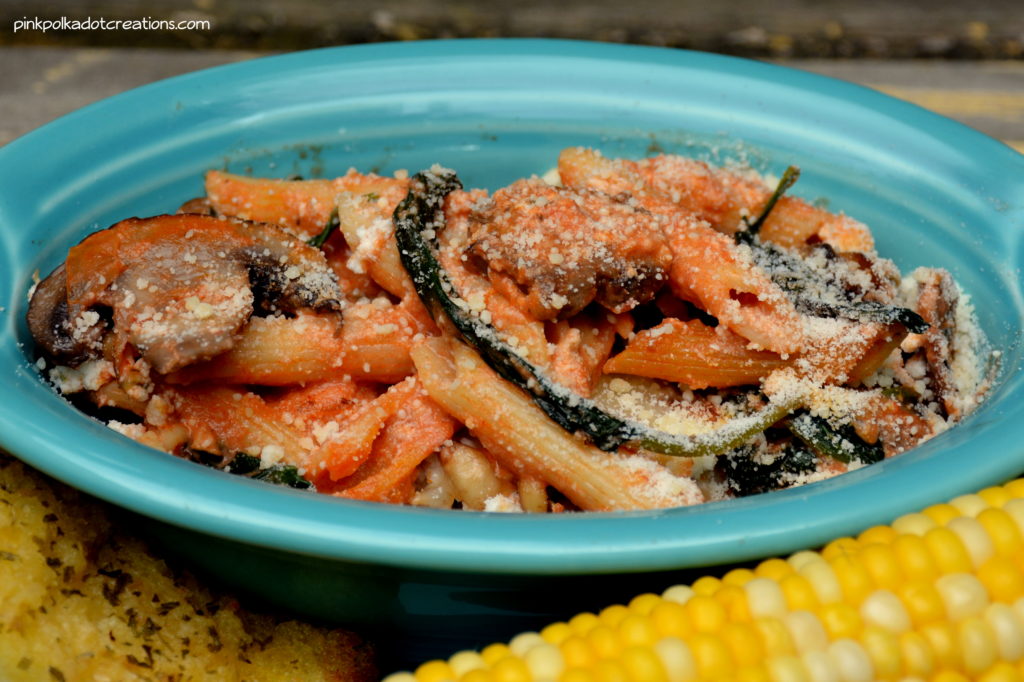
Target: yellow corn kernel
[
  {"x": 773, "y": 569},
  {"x": 637, "y": 630},
  {"x": 823, "y": 581},
  {"x": 641, "y": 663},
  {"x": 744, "y": 643},
  {"x": 493, "y": 653},
  {"x": 947, "y": 551},
  {"x": 840, "y": 546},
  {"x": 945, "y": 644},
  {"x": 578, "y": 675},
  {"x": 610, "y": 671},
  {"x": 978, "y": 644},
  {"x": 775, "y": 636},
  {"x": 434, "y": 671},
  {"x": 753, "y": 674},
  {"x": 465, "y": 661},
  {"x": 676, "y": 659},
  {"x": 913, "y": 524},
  {"x": 511, "y": 669},
  {"x": 996, "y": 496},
  {"x": 613, "y": 615},
  {"x": 914, "y": 558},
  {"x": 923, "y": 602},
  {"x": 670, "y": 619},
  {"x": 1002, "y": 579},
  {"x": 798, "y": 592},
  {"x": 950, "y": 676},
  {"x": 941, "y": 513},
  {"x": 806, "y": 630},
  {"x": 556, "y": 633},
  {"x": 706, "y": 586},
  {"x": 576, "y": 652},
  {"x": 582, "y": 623},
  {"x": 523, "y": 642},
  {"x": 603, "y": 642},
  {"x": 877, "y": 534},
  {"x": 883, "y": 648},
  {"x": 733, "y": 599},
  {"x": 884, "y": 609},
  {"x": 1002, "y": 530},
  {"x": 788, "y": 669},
  {"x": 545, "y": 662},
  {"x": 1015, "y": 488},
  {"x": 738, "y": 577},
  {"x": 705, "y": 614},
  {"x": 477, "y": 675},
  {"x": 963, "y": 594},
  {"x": 842, "y": 620},
  {"x": 1000, "y": 672},
  {"x": 853, "y": 578},
  {"x": 880, "y": 562},
  {"x": 1008, "y": 630},
  {"x": 712, "y": 656},
  {"x": 852, "y": 662},
  {"x": 765, "y": 598},
  {"x": 969, "y": 505},
  {"x": 679, "y": 594},
  {"x": 1015, "y": 508},
  {"x": 976, "y": 541},
  {"x": 643, "y": 604},
  {"x": 918, "y": 658}
]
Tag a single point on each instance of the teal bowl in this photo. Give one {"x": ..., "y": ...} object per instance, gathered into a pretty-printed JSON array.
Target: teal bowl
[{"x": 934, "y": 192}]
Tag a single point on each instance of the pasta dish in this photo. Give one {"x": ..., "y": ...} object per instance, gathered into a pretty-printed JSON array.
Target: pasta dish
[{"x": 619, "y": 334}]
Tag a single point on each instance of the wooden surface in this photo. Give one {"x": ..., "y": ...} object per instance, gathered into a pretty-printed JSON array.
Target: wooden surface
[{"x": 38, "y": 84}]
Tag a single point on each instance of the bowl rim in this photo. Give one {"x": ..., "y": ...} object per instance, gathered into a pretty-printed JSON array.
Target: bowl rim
[{"x": 140, "y": 479}]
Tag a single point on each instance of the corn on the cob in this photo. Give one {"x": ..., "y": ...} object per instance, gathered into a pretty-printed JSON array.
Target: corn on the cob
[{"x": 937, "y": 596}]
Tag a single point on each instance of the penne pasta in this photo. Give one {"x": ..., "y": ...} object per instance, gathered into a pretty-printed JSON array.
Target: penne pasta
[
  {"x": 515, "y": 430},
  {"x": 696, "y": 355},
  {"x": 641, "y": 333}
]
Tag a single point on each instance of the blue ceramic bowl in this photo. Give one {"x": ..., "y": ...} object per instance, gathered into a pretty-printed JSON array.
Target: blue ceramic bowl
[{"x": 934, "y": 192}]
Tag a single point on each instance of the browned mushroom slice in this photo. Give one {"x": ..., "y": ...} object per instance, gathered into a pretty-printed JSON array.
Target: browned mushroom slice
[{"x": 563, "y": 248}]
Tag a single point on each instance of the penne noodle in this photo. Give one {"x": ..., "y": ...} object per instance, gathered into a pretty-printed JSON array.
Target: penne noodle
[
  {"x": 414, "y": 432},
  {"x": 711, "y": 270},
  {"x": 694, "y": 354},
  {"x": 518, "y": 433},
  {"x": 303, "y": 206}
]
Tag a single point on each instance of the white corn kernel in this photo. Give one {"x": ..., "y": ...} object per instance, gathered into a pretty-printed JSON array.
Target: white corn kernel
[
  {"x": 680, "y": 594},
  {"x": 969, "y": 505},
  {"x": 852, "y": 662},
  {"x": 677, "y": 659},
  {"x": 913, "y": 524},
  {"x": 963, "y": 594},
  {"x": 1008, "y": 629},
  {"x": 884, "y": 609},
  {"x": 807, "y": 631},
  {"x": 765, "y": 598},
  {"x": 974, "y": 537}
]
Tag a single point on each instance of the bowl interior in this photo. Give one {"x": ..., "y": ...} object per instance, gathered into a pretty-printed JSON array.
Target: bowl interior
[{"x": 934, "y": 192}]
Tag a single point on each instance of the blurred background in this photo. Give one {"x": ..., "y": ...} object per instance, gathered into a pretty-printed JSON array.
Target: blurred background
[{"x": 963, "y": 59}]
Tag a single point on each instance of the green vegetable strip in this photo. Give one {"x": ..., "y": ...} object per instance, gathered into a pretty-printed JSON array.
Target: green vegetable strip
[
  {"x": 332, "y": 224},
  {"x": 789, "y": 178},
  {"x": 818, "y": 434},
  {"x": 418, "y": 219}
]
